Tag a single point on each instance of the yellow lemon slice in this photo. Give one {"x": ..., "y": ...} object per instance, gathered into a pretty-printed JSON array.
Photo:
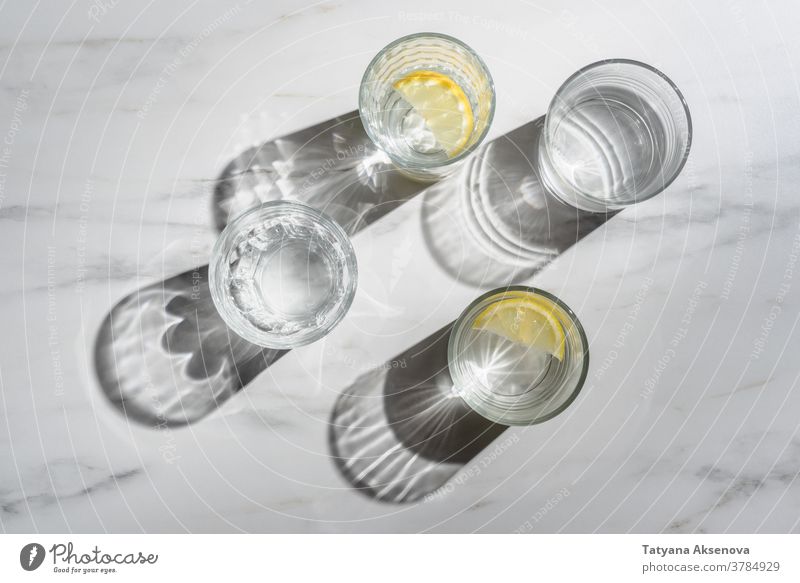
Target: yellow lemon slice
[
  {"x": 442, "y": 104},
  {"x": 528, "y": 320}
]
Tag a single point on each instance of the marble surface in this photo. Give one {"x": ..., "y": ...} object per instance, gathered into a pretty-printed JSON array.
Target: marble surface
[{"x": 118, "y": 118}]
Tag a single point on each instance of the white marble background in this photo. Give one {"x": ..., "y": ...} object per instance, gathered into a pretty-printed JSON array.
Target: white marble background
[{"x": 115, "y": 115}]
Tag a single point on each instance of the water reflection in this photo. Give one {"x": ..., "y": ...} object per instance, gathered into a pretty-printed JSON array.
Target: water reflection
[{"x": 163, "y": 356}]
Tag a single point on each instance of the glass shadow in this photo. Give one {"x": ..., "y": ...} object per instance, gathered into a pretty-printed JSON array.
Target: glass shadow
[
  {"x": 400, "y": 432},
  {"x": 495, "y": 224},
  {"x": 163, "y": 356},
  {"x": 332, "y": 166}
]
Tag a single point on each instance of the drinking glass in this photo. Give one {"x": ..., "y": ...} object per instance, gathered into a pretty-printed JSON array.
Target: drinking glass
[
  {"x": 506, "y": 372},
  {"x": 282, "y": 274},
  {"x": 406, "y": 132},
  {"x": 617, "y": 132}
]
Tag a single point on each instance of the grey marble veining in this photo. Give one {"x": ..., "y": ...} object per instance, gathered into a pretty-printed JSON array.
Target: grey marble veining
[{"x": 114, "y": 128}]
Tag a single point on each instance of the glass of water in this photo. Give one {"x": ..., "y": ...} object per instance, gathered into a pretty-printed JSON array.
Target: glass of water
[
  {"x": 518, "y": 356},
  {"x": 617, "y": 132},
  {"x": 282, "y": 274},
  {"x": 427, "y": 100}
]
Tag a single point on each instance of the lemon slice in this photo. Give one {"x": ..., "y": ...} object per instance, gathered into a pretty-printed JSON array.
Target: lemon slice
[
  {"x": 527, "y": 320},
  {"x": 443, "y": 105}
]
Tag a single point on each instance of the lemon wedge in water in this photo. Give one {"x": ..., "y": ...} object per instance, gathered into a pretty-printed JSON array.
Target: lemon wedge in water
[
  {"x": 527, "y": 320},
  {"x": 443, "y": 105}
]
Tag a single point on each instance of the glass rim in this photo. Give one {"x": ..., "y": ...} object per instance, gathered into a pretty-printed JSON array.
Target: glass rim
[
  {"x": 240, "y": 325},
  {"x": 492, "y": 104},
  {"x": 669, "y": 82},
  {"x": 581, "y": 381}
]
